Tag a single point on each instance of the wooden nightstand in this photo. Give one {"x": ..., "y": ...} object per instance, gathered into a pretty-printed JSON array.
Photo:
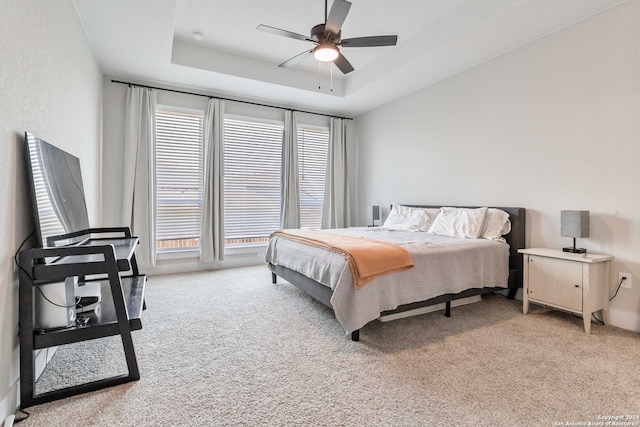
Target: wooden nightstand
[{"x": 571, "y": 282}]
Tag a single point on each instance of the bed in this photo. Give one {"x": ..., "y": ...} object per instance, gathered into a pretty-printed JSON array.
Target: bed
[{"x": 474, "y": 267}]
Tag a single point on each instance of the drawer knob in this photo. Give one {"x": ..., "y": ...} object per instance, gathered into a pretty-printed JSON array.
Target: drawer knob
[{"x": 577, "y": 286}]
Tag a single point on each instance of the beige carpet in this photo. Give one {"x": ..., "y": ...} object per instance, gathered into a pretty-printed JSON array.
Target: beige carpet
[{"x": 229, "y": 348}]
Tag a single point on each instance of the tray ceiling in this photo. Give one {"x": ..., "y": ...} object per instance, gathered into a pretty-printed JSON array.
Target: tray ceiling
[{"x": 152, "y": 40}]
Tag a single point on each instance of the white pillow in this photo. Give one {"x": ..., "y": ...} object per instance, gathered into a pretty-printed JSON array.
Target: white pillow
[
  {"x": 422, "y": 218},
  {"x": 459, "y": 222},
  {"x": 408, "y": 218},
  {"x": 497, "y": 224},
  {"x": 397, "y": 219}
]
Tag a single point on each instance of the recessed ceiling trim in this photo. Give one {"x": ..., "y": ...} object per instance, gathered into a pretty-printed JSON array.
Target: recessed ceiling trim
[{"x": 205, "y": 58}]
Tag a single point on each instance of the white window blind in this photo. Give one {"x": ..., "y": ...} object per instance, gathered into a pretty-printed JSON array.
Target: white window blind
[
  {"x": 252, "y": 162},
  {"x": 313, "y": 145},
  {"x": 179, "y": 180}
]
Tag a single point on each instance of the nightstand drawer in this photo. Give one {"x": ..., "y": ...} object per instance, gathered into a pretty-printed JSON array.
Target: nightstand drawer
[{"x": 555, "y": 281}]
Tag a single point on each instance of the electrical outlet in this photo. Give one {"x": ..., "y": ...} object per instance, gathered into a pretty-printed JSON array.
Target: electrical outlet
[{"x": 625, "y": 283}]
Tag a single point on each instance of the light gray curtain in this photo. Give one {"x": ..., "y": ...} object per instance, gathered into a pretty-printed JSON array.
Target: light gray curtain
[
  {"x": 212, "y": 237},
  {"x": 289, "y": 184},
  {"x": 139, "y": 192},
  {"x": 336, "y": 210}
]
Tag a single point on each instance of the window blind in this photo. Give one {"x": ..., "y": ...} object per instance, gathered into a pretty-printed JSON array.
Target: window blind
[
  {"x": 179, "y": 179},
  {"x": 252, "y": 162},
  {"x": 50, "y": 224},
  {"x": 313, "y": 145}
]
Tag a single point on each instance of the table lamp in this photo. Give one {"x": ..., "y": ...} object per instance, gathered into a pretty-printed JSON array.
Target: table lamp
[
  {"x": 373, "y": 214},
  {"x": 574, "y": 224}
]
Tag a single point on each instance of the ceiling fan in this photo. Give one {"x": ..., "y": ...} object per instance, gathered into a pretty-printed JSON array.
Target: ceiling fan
[{"x": 328, "y": 36}]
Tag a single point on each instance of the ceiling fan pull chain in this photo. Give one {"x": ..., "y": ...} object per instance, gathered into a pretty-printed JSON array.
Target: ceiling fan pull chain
[
  {"x": 331, "y": 68},
  {"x": 319, "y": 75}
]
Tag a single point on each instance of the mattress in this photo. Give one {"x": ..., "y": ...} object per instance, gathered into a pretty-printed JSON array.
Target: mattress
[{"x": 442, "y": 265}]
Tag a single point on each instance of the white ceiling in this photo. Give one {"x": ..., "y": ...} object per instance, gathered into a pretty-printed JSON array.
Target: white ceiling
[{"x": 151, "y": 40}]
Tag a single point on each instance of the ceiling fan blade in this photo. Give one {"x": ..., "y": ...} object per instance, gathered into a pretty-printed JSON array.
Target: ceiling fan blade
[
  {"x": 299, "y": 57},
  {"x": 342, "y": 63},
  {"x": 280, "y": 32},
  {"x": 337, "y": 15},
  {"x": 370, "y": 41}
]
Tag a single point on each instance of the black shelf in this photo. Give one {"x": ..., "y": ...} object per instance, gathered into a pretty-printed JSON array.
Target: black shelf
[
  {"x": 124, "y": 249},
  {"x": 106, "y": 323},
  {"x": 93, "y": 260}
]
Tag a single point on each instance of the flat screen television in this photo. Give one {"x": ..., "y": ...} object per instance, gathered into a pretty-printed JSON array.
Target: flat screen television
[{"x": 57, "y": 193}]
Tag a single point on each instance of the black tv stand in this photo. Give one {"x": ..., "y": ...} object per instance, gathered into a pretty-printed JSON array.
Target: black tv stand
[{"x": 108, "y": 259}]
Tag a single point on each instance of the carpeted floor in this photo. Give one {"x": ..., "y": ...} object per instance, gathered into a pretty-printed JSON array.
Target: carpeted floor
[{"x": 229, "y": 348}]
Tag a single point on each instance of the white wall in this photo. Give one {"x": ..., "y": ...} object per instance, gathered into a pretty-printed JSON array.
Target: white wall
[
  {"x": 50, "y": 85},
  {"x": 550, "y": 126}
]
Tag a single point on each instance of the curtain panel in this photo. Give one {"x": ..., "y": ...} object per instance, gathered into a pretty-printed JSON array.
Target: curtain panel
[
  {"x": 289, "y": 181},
  {"x": 336, "y": 209},
  {"x": 212, "y": 237},
  {"x": 139, "y": 196}
]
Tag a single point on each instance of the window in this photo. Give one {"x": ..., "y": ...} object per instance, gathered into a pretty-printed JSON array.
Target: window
[
  {"x": 252, "y": 167},
  {"x": 179, "y": 179},
  {"x": 252, "y": 162},
  {"x": 313, "y": 144}
]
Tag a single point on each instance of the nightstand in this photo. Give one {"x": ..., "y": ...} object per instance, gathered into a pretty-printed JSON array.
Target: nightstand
[{"x": 571, "y": 282}]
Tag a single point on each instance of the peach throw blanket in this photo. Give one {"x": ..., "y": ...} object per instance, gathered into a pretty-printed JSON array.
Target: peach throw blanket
[{"x": 367, "y": 258}]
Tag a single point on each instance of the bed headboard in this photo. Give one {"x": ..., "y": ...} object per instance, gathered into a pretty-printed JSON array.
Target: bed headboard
[{"x": 515, "y": 239}]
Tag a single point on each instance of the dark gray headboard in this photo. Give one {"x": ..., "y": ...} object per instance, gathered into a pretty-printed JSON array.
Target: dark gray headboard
[{"x": 515, "y": 239}]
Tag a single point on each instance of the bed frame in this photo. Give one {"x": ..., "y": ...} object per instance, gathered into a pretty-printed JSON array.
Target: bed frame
[{"x": 515, "y": 239}]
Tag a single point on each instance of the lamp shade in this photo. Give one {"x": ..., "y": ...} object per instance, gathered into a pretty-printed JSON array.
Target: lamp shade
[
  {"x": 574, "y": 224},
  {"x": 373, "y": 214}
]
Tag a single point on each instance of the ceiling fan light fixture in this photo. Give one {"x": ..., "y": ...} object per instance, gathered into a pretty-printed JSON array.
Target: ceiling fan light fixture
[
  {"x": 328, "y": 36},
  {"x": 325, "y": 52}
]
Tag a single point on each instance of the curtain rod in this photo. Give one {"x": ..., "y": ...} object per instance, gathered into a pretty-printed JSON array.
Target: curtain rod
[{"x": 228, "y": 99}]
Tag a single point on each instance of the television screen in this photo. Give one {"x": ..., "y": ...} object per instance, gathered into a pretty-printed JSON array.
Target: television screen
[{"x": 57, "y": 192}]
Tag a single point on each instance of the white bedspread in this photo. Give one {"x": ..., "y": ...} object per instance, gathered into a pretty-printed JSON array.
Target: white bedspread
[{"x": 442, "y": 265}]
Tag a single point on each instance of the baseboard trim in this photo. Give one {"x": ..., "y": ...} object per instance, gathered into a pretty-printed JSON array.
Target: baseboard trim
[
  {"x": 619, "y": 318},
  {"x": 624, "y": 319},
  {"x": 9, "y": 401}
]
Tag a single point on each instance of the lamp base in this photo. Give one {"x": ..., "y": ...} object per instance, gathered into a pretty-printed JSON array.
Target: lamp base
[{"x": 574, "y": 250}]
